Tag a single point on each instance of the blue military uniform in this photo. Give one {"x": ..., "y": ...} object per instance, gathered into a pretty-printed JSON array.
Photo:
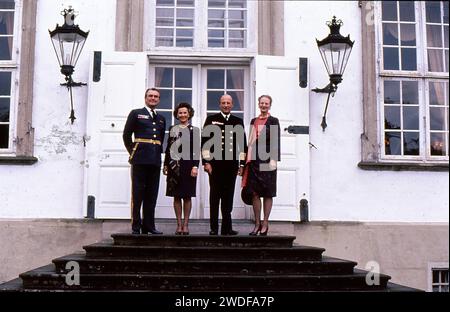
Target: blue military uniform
[
  {"x": 145, "y": 159},
  {"x": 224, "y": 168}
]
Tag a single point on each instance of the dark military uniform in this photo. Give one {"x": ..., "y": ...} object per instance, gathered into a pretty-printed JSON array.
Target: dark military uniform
[
  {"x": 225, "y": 164},
  {"x": 145, "y": 159}
]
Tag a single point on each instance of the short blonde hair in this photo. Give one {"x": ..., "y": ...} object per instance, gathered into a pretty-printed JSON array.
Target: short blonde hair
[{"x": 266, "y": 96}]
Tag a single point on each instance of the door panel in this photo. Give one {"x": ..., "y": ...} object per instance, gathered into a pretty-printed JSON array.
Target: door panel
[
  {"x": 278, "y": 77},
  {"x": 120, "y": 89}
]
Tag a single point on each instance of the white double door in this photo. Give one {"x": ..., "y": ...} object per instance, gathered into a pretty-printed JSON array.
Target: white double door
[{"x": 123, "y": 81}]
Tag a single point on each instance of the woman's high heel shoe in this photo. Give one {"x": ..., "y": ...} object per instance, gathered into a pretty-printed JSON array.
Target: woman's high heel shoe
[
  {"x": 255, "y": 231},
  {"x": 261, "y": 233}
]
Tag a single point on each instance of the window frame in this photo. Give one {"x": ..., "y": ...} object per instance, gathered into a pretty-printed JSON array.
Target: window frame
[
  {"x": 200, "y": 31},
  {"x": 13, "y": 67},
  {"x": 434, "y": 266},
  {"x": 371, "y": 150}
]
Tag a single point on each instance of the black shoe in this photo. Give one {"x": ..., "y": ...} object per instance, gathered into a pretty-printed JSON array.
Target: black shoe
[
  {"x": 231, "y": 232},
  {"x": 213, "y": 232},
  {"x": 136, "y": 232},
  {"x": 155, "y": 232}
]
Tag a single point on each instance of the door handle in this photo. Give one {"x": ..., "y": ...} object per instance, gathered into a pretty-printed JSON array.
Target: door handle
[{"x": 297, "y": 129}]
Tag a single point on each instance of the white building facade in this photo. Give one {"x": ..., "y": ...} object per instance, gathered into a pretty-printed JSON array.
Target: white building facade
[{"x": 381, "y": 165}]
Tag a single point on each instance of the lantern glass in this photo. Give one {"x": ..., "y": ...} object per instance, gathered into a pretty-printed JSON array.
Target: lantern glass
[
  {"x": 335, "y": 57},
  {"x": 68, "y": 47}
]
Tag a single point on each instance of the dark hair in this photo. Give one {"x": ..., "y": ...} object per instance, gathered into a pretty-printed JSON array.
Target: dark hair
[
  {"x": 152, "y": 89},
  {"x": 266, "y": 96},
  {"x": 183, "y": 105}
]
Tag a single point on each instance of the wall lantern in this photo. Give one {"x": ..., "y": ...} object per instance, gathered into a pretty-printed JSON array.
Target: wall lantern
[
  {"x": 335, "y": 51},
  {"x": 68, "y": 42}
]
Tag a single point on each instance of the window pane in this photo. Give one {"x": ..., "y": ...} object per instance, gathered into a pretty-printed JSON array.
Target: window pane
[
  {"x": 437, "y": 93},
  {"x": 216, "y": 14},
  {"x": 391, "y": 92},
  {"x": 434, "y": 36},
  {"x": 7, "y": 4},
  {"x": 167, "y": 13},
  {"x": 165, "y": 100},
  {"x": 185, "y": 23},
  {"x": 446, "y": 12},
  {"x": 185, "y": 33},
  {"x": 237, "y": 3},
  {"x": 164, "y": 32},
  {"x": 183, "y": 96},
  {"x": 213, "y": 98},
  {"x": 5, "y": 83},
  {"x": 164, "y": 2},
  {"x": 183, "y": 77},
  {"x": 407, "y": 11},
  {"x": 437, "y": 148},
  {"x": 184, "y": 42},
  {"x": 6, "y": 23},
  {"x": 163, "y": 77},
  {"x": 216, "y": 43},
  {"x": 4, "y": 136},
  {"x": 236, "y": 43},
  {"x": 237, "y": 14},
  {"x": 411, "y": 143},
  {"x": 445, "y": 36},
  {"x": 437, "y": 118},
  {"x": 390, "y": 58},
  {"x": 238, "y": 99},
  {"x": 216, "y": 3},
  {"x": 216, "y": 23},
  {"x": 4, "y": 109},
  {"x": 435, "y": 60},
  {"x": 237, "y": 34},
  {"x": 409, "y": 59},
  {"x": 185, "y": 13},
  {"x": 5, "y": 48},
  {"x": 433, "y": 11},
  {"x": 216, "y": 79},
  {"x": 389, "y": 10},
  {"x": 390, "y": 34},
  {"x": 164, "y": 42},
  {"x": 185, "y": 3},
  {"x": 392, "y": 143},
  {"x": 410, "y": 92},
  {"x": 446, "y": 61},
  {"x": 408, "y": 34},
  {"x": 444, "y": 276},
  {"x": 435, "y": 276},
  {"x": 216, "y": 34},
  {"x": 392, "y": 117},
  {"x": 235, "y": 79},
  {"x": 411, "y": 118}
]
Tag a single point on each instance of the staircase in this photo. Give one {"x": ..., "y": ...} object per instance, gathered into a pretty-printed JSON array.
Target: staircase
[{"x": 200, "y": 263}]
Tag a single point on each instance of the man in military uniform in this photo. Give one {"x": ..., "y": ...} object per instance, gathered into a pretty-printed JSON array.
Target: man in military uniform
[
  {"x": 145, "y": 151},
  {"x": 223, "y": 161}
]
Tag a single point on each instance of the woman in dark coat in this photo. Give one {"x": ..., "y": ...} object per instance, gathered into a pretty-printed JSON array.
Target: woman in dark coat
[
  {"x": 260, "y": 177},
  {"x": 181, "y": 165}
]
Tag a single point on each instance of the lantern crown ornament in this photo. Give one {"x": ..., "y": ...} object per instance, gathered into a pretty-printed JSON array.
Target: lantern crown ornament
[
  {"x": 68, "y": 41},
  {"x": 335, "y": 51}
]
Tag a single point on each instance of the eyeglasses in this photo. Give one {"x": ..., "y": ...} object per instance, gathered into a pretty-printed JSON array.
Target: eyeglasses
[{"x": 153, "y": 96}]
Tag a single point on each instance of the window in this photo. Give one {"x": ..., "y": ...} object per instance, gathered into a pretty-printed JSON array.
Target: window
[
  {"x": 439, "y": 279},
  {"x": 175, "y": 85},
  {"x": 227, "y": 23},
  {"x": 212, "y": 25},
  {"x": 174, "y": 23},
  {"x": 225, "y": 81},
  {"x": 8, "y": 68},
  {"x": 413, "y": 80}
]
